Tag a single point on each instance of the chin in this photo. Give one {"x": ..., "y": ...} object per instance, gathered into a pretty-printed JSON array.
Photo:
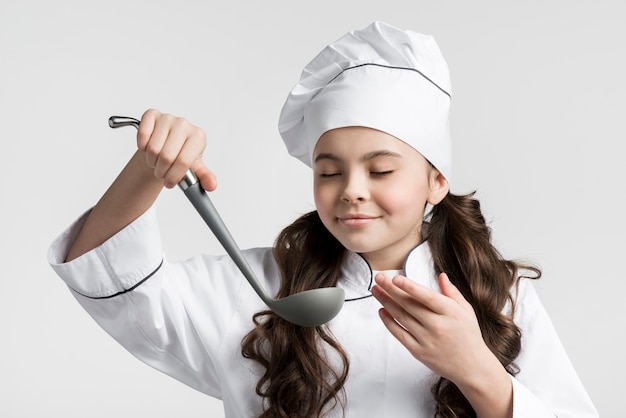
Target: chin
[{"x": 357, "y": 247}]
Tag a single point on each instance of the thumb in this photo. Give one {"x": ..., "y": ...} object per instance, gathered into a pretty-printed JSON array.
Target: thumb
[{"x": 207, "y": 179}]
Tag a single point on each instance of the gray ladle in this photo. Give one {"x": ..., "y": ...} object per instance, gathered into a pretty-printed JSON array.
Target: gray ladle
[{"x": 308, "y": 309}]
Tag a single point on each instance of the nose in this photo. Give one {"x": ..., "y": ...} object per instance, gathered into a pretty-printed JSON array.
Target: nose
[{"x": 355, "y": 189}]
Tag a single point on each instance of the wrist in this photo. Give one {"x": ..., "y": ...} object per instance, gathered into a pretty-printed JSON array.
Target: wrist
[
  {"x": 488, "y": 388},
  {"x": 138, "y": 171}
]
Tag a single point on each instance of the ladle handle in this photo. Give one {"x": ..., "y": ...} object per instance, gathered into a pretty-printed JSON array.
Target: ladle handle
[{"x": 200, "y": 200}]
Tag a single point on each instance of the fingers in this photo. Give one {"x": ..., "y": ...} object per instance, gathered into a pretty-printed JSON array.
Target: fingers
[
  {"x": 401, "y": 317},
  {"x": 401, "y": 333},
  {"x": 172, "y": 145},
  {"x": 439, "y": 329},
  {"x": 146, "y": 128},
  {"x": 398, "y": 305},
  {"x": 450, "y": 290},
  {"x": 207, "y": 179},
  {"x": 408, "y": 293},
  {"x": 183, "y": 144}
]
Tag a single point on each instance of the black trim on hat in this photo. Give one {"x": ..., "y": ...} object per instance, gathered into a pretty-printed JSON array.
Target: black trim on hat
[{"x": 393, "y": 68}]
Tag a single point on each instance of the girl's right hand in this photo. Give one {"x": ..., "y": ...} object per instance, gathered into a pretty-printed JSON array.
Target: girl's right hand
[
  {"x": 167, "y": 147},
  {"x": 170, "y": 146}
]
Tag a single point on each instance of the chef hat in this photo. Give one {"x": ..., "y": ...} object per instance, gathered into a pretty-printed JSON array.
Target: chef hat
[{"x": 379, "y": 77}]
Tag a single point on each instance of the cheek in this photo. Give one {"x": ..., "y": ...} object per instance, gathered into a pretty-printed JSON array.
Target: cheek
[
  {"x": 323, "y": 199},
  {"x": 325, "y": 207},
  {"x": 403, "y": 198}
]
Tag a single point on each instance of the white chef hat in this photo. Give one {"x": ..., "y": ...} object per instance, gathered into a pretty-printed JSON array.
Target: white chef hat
[{"x": 379, "y": 77}]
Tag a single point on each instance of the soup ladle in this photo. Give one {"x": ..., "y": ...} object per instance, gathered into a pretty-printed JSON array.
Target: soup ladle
[{"x": 309, "y": 308}]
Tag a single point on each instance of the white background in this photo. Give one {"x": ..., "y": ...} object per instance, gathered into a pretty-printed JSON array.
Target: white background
[{"x": 538, "y": 126}]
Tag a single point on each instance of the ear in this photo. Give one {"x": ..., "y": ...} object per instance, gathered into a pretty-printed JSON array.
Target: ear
[{"x": 439, "y": 187}]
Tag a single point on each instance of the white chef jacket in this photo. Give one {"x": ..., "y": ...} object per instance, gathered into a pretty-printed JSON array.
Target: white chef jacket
[{"x": 187, "y": 319}]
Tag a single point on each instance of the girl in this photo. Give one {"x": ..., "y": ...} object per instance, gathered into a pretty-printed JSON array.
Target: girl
[{"x": 435, "y": 323}]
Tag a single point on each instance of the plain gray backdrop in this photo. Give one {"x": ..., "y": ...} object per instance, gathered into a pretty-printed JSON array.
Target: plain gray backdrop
[{"x": 537, "y": 122}]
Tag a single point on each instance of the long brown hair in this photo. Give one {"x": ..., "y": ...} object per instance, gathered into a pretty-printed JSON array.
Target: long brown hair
[
  {"x": 460, "y": 243},
  {"x": 299, "y": 378}
]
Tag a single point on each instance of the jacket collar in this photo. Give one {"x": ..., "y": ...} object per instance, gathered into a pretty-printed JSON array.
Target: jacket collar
[{"x": 357, "y": 276}]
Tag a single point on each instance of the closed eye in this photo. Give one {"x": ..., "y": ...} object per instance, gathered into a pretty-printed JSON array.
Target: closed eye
[
  {"x": 380, "y": 173},
  {"x": 328, "y": 175}
]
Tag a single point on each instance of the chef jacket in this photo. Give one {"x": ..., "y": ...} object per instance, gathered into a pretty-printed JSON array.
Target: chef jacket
[{"x": 187, "y": 319}]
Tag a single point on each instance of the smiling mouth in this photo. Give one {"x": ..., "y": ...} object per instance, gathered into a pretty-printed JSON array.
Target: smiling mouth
[{"x": 356, "y": 220}]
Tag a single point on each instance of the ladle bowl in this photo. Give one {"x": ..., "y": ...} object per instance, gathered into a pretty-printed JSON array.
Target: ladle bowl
[{"x": 309, "y": 308}]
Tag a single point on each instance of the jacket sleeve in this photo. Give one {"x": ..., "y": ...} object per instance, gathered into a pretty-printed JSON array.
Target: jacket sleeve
[
  {"x": 547, "y": 384},
  {"x": 154, "y": 308}
]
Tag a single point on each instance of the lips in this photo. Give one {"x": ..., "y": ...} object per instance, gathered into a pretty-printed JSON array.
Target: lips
[{"x": 356, "y": 220}]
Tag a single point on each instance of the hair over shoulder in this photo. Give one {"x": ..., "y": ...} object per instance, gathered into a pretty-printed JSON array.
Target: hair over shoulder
[{"x": 299, "y": 380}]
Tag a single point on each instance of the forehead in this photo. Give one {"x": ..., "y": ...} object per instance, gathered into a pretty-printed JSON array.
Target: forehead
[{"x": 356, "y": 141}]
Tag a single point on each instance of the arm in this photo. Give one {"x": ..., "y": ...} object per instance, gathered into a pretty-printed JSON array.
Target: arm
[
  {"x": 173, "y": 316},
  {"x": 167, "y": 147},
  {"x": 126, "y": 284},
  {"x": 441, "y": 331}
]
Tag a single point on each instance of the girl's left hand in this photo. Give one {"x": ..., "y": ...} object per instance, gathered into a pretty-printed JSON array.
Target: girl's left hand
[{"x": 439, "y": 329}]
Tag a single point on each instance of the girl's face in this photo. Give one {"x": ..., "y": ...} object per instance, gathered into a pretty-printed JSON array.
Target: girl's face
[{"x": 371, "y": 191}]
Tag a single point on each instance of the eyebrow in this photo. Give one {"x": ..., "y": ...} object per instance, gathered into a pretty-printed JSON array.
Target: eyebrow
[{"x": 367, "y": 157}]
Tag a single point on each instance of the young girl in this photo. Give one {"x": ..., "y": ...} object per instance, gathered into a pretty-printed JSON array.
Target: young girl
[{"x": 435, "y": 322}]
